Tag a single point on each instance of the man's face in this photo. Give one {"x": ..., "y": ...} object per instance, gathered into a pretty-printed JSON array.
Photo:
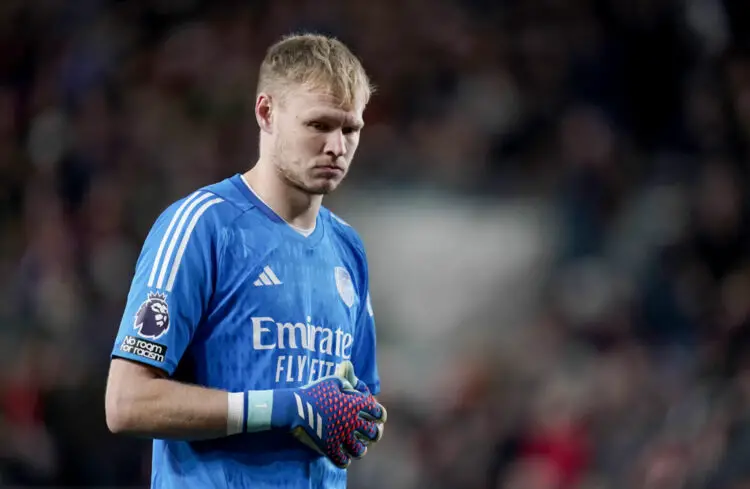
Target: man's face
[{"x": 314, "y": 139}]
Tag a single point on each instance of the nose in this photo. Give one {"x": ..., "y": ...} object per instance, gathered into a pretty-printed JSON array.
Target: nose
[{"x": 335, "y": 144}]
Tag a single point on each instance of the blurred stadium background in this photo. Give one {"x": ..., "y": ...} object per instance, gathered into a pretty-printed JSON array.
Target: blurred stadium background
[{"x": 553, "y": 194}]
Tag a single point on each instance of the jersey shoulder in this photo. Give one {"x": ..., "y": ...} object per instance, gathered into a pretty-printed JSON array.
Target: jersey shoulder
[
  {"x": 249, "y": 230},
  {"x": 206, "y": 210},
  {"x": 227, "y": 190},
  {"x": 234, "y": 203},
  {"x": 343, "y": 231},
  {"x": 347, "y": 240}
]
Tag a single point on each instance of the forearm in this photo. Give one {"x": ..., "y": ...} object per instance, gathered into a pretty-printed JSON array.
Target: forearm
[
  {"x": 163, "y": 408},
  {"x": 141, "y": 400}
]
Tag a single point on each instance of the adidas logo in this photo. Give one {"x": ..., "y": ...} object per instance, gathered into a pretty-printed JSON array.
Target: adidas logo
[
  {"x": 313, "y": 420},
  {"x": 267, "y": 277}
]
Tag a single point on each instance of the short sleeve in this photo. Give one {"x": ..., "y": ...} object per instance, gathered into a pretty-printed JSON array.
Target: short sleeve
[
  {"x": 172, "y": 285},
  {"x": 364, "y": 355}
]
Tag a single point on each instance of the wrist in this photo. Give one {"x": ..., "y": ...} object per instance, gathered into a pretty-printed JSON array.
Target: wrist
[
  {"x": 236, "y": 412},
  {"x": 249, "y": 411}
]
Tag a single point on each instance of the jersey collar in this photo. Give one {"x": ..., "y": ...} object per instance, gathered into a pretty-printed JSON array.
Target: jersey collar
[{"x": 284, "y": 226}]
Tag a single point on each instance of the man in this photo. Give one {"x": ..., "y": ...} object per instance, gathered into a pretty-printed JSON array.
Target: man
[{"x": 249, "y": 311}]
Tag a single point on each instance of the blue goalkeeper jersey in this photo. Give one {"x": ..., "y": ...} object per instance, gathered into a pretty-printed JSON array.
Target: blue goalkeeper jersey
[{"x": 227, "y": 295}]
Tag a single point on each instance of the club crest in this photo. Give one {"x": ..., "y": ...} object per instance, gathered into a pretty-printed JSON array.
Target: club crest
[
  {"x": 369, "y": 306},
  {"x": 344, "y": 285}
]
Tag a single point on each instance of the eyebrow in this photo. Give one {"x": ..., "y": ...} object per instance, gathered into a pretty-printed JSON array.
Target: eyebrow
[
  {"x": 359, "y": 124},
  {"x": 347, "y": 120}
]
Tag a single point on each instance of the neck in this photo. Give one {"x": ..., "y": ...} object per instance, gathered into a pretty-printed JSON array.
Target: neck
[{"x": 296, "y": 207}]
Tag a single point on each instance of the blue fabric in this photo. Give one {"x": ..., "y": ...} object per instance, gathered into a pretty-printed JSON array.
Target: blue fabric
[{"x": 227, "y": 295}]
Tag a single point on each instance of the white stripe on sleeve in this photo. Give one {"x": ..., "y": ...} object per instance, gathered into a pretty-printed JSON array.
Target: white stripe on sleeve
[
  {"x": 186, "y": 238},
  {"x": 166, "y": 236},
  {"x": 175, "y": 237}
]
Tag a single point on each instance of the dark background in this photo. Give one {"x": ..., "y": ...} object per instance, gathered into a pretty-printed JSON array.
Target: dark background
[{"x": 553, "y": 194}]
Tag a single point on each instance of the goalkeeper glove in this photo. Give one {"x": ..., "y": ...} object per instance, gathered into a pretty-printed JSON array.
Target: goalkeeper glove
[
  {"x": 346, "y": 370},
  {"x": 330, "y": 415}
]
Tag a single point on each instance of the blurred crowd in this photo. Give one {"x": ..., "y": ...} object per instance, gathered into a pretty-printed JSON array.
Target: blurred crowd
[{"x": 630, "y": 118}]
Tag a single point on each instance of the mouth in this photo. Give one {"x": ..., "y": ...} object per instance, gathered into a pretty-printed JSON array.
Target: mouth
[{"x": 329, "y": 168}]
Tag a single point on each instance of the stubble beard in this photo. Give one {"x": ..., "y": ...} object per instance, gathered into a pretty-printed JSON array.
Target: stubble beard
[
  {"x": 293, "y": 178},
  {"x": 291, "y": 172}
]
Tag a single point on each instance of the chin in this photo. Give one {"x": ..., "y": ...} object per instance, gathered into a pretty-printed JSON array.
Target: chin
[{"x": 322, "y": 188}]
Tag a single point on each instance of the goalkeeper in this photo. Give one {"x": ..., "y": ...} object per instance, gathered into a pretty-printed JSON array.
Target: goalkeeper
[{"x": 249, "y": 312}]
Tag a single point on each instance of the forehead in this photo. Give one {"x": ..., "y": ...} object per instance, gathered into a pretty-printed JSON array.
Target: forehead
[{"x": 307, "y": 103}]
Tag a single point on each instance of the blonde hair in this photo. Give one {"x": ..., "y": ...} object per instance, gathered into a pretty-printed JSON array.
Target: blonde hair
[{"x": 315, "y": 62}]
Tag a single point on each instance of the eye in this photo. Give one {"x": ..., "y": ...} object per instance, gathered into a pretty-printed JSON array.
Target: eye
[
  {"x": 318, "y": 126},
  {"x": 350, "y": 130}
]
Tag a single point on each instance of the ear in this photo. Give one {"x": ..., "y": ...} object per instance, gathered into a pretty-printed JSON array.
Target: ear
[{"x": 264, "y": 112}]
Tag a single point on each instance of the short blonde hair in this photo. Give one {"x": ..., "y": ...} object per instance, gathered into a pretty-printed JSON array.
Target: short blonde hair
[{"x": 315, "y": 62}]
